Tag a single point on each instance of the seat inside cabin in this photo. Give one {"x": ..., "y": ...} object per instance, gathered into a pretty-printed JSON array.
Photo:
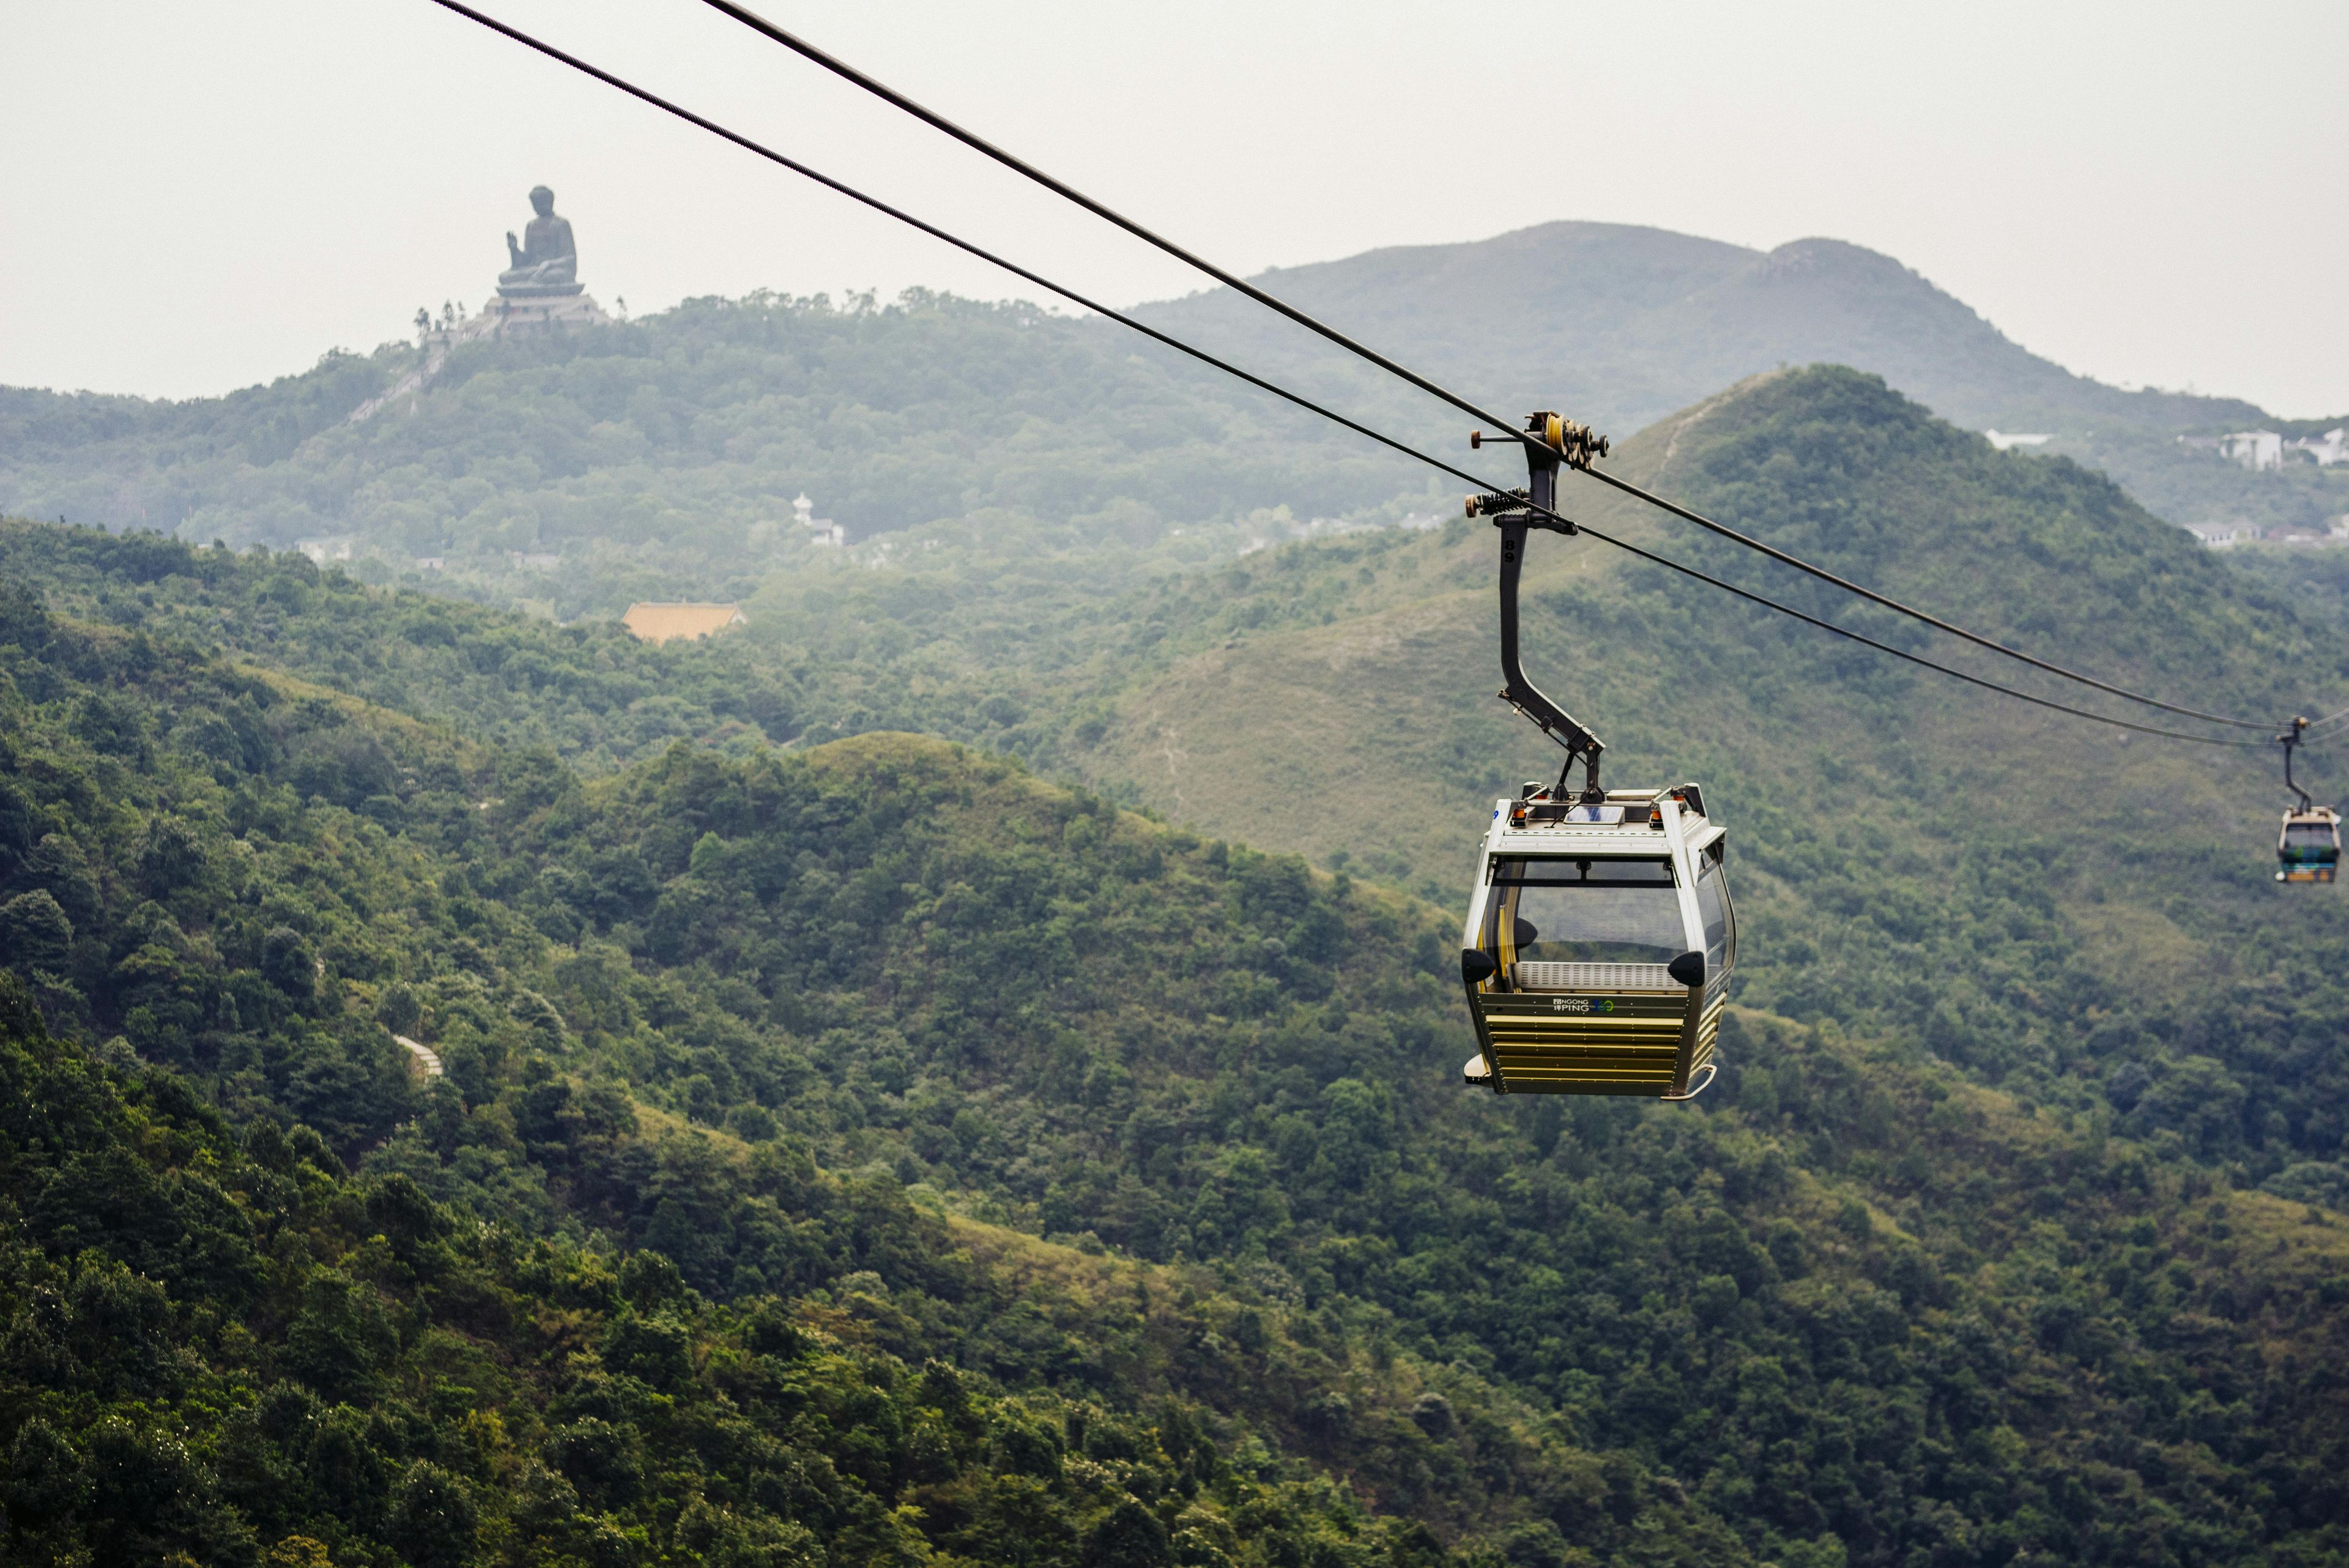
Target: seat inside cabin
[{"x": 1601, "y": 925}]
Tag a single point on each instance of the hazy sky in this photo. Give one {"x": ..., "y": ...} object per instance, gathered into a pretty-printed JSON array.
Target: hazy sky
[{"x": 195, "y": 197}]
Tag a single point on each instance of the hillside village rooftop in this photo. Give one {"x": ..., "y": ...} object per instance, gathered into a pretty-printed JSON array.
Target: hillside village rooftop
[{"x": 665, "y": 622}]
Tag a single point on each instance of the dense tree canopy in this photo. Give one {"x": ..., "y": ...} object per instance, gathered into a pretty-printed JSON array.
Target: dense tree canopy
[{"x": 870, "y": 1151}]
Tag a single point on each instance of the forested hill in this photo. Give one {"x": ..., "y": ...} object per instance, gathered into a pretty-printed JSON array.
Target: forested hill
[
  {"x": 675, "y": 444},
  {"x": 659, "y": 458},
  {"x": 2073, "y": 919},
  {"x": 2075, "y": 914},
  {"x": 871, "y": 1153}
]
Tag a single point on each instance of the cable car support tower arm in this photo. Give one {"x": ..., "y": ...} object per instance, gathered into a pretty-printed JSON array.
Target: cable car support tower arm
[{"x": 1549, "y": 442}]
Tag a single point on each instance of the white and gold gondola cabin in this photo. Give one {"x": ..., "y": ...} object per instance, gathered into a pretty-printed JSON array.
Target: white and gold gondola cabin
[{"x": 1598, "y": 945}]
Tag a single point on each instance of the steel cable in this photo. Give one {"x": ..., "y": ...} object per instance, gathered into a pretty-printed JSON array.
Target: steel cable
[
  {"x": 978, "y": 143},
  {"x": 1560, "y": 523}
]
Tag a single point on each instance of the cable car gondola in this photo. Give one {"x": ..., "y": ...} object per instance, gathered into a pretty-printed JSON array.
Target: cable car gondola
[
  {"x": 1598, "y": 947},
  {"x": 1601, "y": 935},
  {"x": 2308, "y": 847}
]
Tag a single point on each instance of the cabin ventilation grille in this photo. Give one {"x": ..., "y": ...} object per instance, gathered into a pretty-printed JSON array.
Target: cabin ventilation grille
[{"x": 1532, "y": 976}]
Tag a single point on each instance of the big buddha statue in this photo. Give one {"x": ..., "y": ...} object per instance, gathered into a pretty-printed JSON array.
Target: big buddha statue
[{"x": 546, "y": 262}]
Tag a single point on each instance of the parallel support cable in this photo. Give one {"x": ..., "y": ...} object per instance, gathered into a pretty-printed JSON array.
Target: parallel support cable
[
  {"x": 1019, "y": 165},
  {"x": 1823, "y": 575},
  {"x": 978, "y": 143},
  {"x": 1550, "y": 519}
]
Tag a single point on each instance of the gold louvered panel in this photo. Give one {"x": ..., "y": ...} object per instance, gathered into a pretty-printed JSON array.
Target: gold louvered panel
[
  {"x": 1652, "y": 1088},
  {"x": 1584, "y": 1054},
  {"x": 1708, "y": 1031},
  {"x": 1581, "y": 1026},
  {"x": 1589, "y": 1078},
  {"x": 1507, "y": 1032},
  {"x": 1564, "y": 1064}
]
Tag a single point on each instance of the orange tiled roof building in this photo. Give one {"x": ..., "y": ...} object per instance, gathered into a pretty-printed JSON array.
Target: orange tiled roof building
[{"x": 665, "y": 622}]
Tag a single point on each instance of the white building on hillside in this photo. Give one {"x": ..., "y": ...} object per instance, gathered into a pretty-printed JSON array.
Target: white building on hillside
[
  {"x": 821, "y": 530},
  {"x": 2328, "y": 449},
  {"x": 2223, "y": 535},
  {"x": 2259, "y": 451},
  {"x": 2005, "y": 442}
]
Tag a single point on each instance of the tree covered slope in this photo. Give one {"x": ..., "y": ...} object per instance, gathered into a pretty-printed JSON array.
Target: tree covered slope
[
  {"x": 2083, "y": 919},
  {"x": 871, "y": 1152},
  {"x": 669, "y": 451},
  {"x": 659, "y": 458},
  {"x": 2087, "y": 918}
]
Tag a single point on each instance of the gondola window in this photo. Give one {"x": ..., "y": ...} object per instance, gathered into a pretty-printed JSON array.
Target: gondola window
[
  {"x": 1713, "y": 906},
  {"x": 1616, "y": 911}
]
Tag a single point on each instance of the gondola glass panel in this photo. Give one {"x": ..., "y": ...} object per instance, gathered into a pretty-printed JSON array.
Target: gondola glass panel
[
  {"x": 1548, "y": 915},
  {"x": 1712, "y": 907}
]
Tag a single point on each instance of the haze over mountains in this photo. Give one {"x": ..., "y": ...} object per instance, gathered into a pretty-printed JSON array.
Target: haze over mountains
[
  {"x": 674, "y": 445},
  {"x": 1624, "y": 323},
  {"x": 1621, "y": 324}
]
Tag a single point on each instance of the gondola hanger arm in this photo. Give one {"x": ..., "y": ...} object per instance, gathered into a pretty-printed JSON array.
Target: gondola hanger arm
[
  {"x": 1513, "y": 514},
  {"x": 2289, "y": 740}
]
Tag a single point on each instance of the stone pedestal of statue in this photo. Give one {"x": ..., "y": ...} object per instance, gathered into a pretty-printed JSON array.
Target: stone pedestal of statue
[
  {"x": 506, "y": 314},
  {"x": 538, "y": 290}
]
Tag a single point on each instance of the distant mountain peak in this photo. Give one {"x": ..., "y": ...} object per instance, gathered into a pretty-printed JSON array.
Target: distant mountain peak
[
  {"x": 1626, "y": 323},
  {"x": 1818, "y": 254}
]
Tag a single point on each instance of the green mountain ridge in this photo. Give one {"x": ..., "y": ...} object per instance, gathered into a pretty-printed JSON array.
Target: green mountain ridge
[
  {"x": 863, "y": 1150},
  {"x": 669, "y": 451},
  {"x": 924, "y": 968},
  {"x": 660, "y": 458}
]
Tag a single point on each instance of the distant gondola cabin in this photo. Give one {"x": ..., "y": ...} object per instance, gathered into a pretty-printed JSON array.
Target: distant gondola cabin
[{"x": 2308, "y": 849}]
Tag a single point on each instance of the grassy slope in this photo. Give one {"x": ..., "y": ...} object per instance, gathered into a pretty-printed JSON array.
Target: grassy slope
[
  {"x": 1913, "y": 851},
  {"x": 1991, "y": 540}
]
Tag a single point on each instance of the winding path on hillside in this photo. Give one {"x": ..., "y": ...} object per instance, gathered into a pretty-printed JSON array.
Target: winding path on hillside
[{"x": 426, "y": 1057}]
